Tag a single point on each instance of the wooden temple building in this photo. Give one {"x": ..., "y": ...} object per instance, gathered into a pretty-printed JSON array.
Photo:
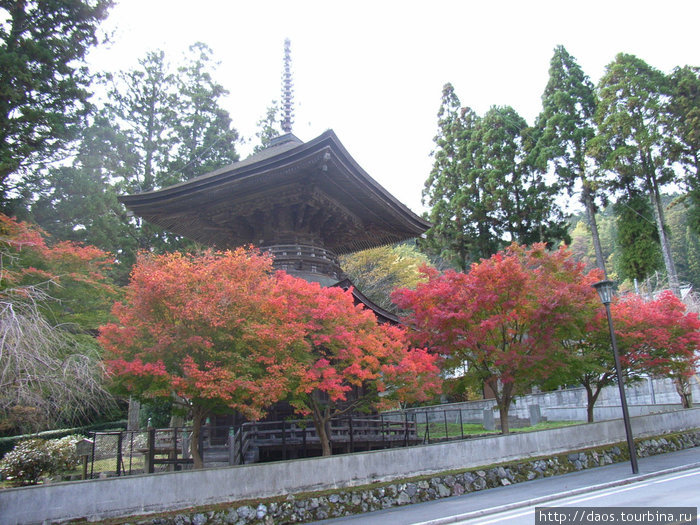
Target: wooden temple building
[{"x": 305, "y": 203}]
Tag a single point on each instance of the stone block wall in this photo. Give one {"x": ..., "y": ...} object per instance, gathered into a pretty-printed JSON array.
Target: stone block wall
[{"x": 332, "y": 504}]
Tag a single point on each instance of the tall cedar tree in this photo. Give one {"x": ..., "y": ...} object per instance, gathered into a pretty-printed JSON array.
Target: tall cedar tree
[
  {"x": 684, "y": 145},
  {"x": 527, "y": 211},
  {"x": 483, "y": 190},
  {"x": 78, "y": 202},
  {"x": 565, "y": 128},
  {"x": 504, "y": 319},
  {"x": 156, "y": 128},
  {"x": 204, "y": 136},
  {"x": 447, "y": 191},
  {"x": 219, "y": 332},
  {"x": 44, "y": 94},
  {"x": 268, "y": 127},
  {"x": 636, "y": 239},
  {"x": 141, "y": 105},
  {"x": 632, "y": 129},
  {"x": 52, "y": 299}
]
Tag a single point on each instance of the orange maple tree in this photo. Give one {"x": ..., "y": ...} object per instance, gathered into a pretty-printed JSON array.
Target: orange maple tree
[
  {"x": 203, "y": 330},
  {"x": 505, "y": 319},
  {"x": 660, "y": 338},
  {"x": 221, "y": 331},
  {"x": 345, "y": 361}
]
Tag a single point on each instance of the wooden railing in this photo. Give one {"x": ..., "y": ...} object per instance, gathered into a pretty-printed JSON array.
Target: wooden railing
[{"x": 300, "y": 434}]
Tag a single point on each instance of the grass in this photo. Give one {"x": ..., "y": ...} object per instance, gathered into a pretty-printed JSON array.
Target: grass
[
  {"x": 545, "y": 425},
  {"x": 436, "y": 429}
]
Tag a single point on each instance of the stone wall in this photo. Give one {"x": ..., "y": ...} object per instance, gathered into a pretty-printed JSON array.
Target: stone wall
[
  {"x": 319, "y": 506},
  {"x": 115, "y": 498}
]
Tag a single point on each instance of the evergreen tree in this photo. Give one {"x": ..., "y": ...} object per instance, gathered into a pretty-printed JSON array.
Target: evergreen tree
[
  {"x": 693, "y": 243},
  {"x": 566, "y": 126},
  {"x": 637, "y": 239},
  {"x": 142, "y": 106},
  {"x": 527, "y": 212},
  {"x": 203, "y": 132},
  {"x": 155, "y": 129},
  {"x": 631, "y": 118},
  {"x": 44, "y": 94},
  {"x": 78, "y": 202},
  {"x": 684, "y": 240},
  {"x": 483, "y": 191},
  {"x": 684, "y": 144},
  {"x": 455, "y": 233},
  {"x": 268, "y": 127}
]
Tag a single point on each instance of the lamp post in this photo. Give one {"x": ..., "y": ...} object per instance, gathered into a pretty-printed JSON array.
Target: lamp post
[{"x": 605, "y": 291}]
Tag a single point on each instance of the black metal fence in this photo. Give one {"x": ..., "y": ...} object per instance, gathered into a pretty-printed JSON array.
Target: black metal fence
[{"x": 120, "y": 453}]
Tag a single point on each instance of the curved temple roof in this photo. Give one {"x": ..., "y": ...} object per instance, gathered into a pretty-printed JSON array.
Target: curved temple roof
[{"x": 311, "y": 192}]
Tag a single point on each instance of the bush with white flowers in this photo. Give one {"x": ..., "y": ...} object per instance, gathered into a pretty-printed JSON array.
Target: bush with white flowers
[{"x": 33, "y": 459}]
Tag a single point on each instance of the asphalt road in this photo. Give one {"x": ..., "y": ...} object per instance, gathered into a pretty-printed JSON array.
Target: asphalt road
[
  {"x": 678, "y": 489},
  {"x": 650, "y": 487}
]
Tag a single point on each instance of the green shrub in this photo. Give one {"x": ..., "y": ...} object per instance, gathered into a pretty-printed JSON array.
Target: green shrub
[{"x": 32, "y": 459}]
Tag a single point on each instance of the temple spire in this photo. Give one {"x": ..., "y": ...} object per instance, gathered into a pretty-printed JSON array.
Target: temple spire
[{"x": 287, "y": 89}]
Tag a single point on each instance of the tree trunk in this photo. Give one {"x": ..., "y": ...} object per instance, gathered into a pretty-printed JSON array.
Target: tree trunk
[
  {"x": 503, "y": 413},
  {"x": 591, "y": 398},
  {"x": 684, "y": 390},
  {"x": 197, "y": 416},
  {"x": 503, "y": 400},
  {"x": 322, "y": 419},
  {"x": 663, "y": 238},
  {"x": 324, "y": 436},
  {"x": 587, "y": 199}
]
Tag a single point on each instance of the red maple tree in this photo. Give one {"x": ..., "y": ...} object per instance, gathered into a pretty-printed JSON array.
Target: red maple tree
[
  {"x": 206, "y": 331},
  {"x": 345, "y": 361},
  {"x": 660, "y": 338},
  {"x": 504, "y": 320},
  {"x": 221, "y": 331},
  {"x": 52, "y": 298}
]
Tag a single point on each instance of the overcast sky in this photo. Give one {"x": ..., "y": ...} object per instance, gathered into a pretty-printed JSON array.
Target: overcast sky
[{"x": 373, "y": 71}]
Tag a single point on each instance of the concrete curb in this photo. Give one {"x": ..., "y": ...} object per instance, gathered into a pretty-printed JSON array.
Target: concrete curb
[{"x": 551, "y": 497}]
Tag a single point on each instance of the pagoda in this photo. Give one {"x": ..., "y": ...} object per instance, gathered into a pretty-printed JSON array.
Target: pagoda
[{"x": 305, "y": 203}]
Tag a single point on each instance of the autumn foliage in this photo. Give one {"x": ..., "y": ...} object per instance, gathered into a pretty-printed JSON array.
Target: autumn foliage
[
  {"x": 199, "y": 330},
  {"x": 345, "y": 360},
  {"x": 660, "y": 338},
  {"x": 69, "y": 279},
  {"x": 52, "y": 299},
  {"x": 504, "y": 319},
  {"x": 221, "y": 331}
]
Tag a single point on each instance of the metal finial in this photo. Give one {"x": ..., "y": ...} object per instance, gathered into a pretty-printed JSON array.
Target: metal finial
[{"x": 287, "y": 89}]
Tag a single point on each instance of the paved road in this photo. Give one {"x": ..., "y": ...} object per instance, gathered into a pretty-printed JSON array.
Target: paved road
[
  {"x": 677, "y": 489},
  {"x": 537, "y": 492}
]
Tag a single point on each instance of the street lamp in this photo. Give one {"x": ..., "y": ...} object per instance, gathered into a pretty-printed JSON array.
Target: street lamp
[{"x": 605, "y": 291}]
